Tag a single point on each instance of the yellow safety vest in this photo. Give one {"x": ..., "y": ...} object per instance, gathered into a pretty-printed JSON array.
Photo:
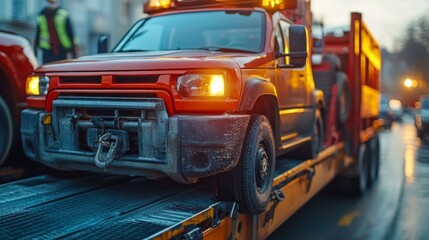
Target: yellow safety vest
[{"x": 60, "y": 19}]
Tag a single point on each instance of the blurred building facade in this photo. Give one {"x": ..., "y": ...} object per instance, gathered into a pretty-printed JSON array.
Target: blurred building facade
[
  {"x": 393, "y": 70},
  {"x": 90, "y": 18}
]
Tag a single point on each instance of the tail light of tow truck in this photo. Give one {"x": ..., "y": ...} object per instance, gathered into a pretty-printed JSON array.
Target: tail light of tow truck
[{"x": 153, "y": 6}]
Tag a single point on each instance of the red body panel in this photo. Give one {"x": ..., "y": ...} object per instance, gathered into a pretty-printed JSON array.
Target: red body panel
[
  {"x": 17, "y": 62},
  {"x": 174, "y": 63},
  {"x": 356, "y": 55}
]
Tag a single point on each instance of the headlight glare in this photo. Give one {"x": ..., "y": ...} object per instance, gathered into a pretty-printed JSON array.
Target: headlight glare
[
  {"x": 201, "y": 85},
  {"x": 37, "y": 85}
]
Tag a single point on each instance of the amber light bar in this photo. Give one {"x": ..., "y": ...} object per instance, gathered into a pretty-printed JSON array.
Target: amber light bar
[{"x": 154, "y": 6}]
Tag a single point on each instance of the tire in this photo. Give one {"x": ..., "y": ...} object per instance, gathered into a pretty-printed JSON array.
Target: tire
[
  {"x": 374, "y": 153},
  {"x": 317, "y": 138},
  {"x": 318, "y": 135},
  {"x": 250, "y": 182},
  {"x": 6, "y": 131},
  {"x": 355, "y": 186},
  {"x": 343, "y": 98}
]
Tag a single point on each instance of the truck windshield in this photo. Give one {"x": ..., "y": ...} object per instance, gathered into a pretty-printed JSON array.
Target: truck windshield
[{"x": 229, "y": 31}]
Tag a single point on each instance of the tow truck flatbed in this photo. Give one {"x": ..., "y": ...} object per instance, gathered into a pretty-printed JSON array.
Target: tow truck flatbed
[{"x": 136, "y": 208}]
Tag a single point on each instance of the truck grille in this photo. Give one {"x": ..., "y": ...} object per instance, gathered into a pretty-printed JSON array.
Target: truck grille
[
  {"x": 116, "y": 79},
  {"x": 81, "y": 80},
  {"x": 136, "y": 79}
]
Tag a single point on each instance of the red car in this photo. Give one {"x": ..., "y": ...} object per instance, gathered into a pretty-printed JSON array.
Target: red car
[{"x": 17, "y": 62}]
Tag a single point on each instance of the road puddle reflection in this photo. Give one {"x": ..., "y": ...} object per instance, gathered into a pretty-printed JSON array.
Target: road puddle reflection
[{"x": 410, "y": 163}]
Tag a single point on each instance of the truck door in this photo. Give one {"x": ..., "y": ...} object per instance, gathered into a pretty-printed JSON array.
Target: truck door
[{"x": 291, "y": 88}]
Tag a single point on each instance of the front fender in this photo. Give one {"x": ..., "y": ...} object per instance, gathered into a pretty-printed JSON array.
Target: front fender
[
  {"x": 8, "y": 68},
  {"x": 254, "y": 89},
  {"x": 265, "y": 92},
  {"x": 9, "y": 83}
]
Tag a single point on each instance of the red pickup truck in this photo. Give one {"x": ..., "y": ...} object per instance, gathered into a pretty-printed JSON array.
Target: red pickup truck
[
  {"x": 189, "y": 92},
  {"x": 17, "y": 62}
]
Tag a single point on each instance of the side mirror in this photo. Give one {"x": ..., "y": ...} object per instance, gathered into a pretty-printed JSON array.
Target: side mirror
[
  {"x": 298, "y": 42},
  {"x": 103, "y": 44}
]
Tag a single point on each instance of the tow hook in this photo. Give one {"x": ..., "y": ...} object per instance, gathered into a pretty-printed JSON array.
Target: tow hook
[{"x": 110, "y": 142}]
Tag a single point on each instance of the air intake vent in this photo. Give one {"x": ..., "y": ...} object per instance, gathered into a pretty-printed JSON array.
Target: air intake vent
[
  {"x": 85, "y": 79},
  {"x": 136, "y": 79}
]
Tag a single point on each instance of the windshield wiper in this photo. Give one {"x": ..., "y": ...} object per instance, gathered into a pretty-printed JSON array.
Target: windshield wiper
[
  {"x": 132, "y": 50},
  {"x": 209, "y": 48},
  {"x": 220, "y": 49}
]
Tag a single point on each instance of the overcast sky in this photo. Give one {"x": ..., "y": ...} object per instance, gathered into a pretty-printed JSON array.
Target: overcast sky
[{"x": 387, "y": 19}]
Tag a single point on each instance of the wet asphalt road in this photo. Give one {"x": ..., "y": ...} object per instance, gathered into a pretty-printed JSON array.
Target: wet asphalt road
[
  {"x": 396, "y": 207},
  {"x": 412, "y": 220}
]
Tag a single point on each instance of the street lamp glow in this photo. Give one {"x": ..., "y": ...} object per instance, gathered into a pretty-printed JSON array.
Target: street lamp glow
[{"x": 408, "y": 83}]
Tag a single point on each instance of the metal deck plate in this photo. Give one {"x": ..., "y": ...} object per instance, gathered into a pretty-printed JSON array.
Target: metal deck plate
[{"x": 96, "y": 207}]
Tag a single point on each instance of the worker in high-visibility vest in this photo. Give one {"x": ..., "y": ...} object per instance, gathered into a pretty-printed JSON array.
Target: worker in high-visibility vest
[{"x": 54, "y": 33}]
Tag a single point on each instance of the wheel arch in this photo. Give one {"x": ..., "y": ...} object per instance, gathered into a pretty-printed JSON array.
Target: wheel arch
[
  {"x": 260, "y": 97},
  {"x": 8, "y": 89}
]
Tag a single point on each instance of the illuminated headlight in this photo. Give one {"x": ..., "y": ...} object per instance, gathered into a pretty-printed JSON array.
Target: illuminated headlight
[
  {"x": 201, "y": 85},
  {"x": 37, "y": 85}
]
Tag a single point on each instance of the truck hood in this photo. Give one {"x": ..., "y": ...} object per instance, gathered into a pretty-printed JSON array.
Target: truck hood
[{"x": 157, "y": 60}]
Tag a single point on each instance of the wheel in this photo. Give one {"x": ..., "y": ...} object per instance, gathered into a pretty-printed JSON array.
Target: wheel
[
  {"x": 343, "y": 98},
  {"x": 356, "y": 185},
  {"x": 374, "y": 158},
  {"x": 250, "y": 182},
  {"x": 318, "y": 135},
  {"x": 6, "y": 130}
]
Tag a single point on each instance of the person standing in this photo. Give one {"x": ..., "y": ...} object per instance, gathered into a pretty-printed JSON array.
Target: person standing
[{"x": 54, "y": 34}]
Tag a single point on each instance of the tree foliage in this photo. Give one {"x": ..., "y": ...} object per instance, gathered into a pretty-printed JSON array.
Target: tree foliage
[{"x": 415, "y": 49}]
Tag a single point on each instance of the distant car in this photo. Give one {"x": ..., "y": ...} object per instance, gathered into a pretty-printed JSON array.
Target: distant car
[
  {"x": 385, "y": 112},
  {"x": 396, "y": 109},
  {"x": 17, "y": 62},
  {"x": 422, "y": 118},
  {"x": 390, "y": 110}
]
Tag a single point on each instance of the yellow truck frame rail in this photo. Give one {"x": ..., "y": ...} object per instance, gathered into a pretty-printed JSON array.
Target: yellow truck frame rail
[{"x": 292, "y": 189}]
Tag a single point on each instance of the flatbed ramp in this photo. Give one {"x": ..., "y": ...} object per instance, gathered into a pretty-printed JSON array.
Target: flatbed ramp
[
  {"x": 45, "y": 207},
  {"x": 114, "y": 207}
]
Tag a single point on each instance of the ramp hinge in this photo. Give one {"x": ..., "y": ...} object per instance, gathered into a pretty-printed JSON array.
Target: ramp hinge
[
  {"x": 234, "y": 216},
  {"x": 277, "y": 197},
  {"x": 310, "y": 174},
  {"x": 194, "y": 234}
]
